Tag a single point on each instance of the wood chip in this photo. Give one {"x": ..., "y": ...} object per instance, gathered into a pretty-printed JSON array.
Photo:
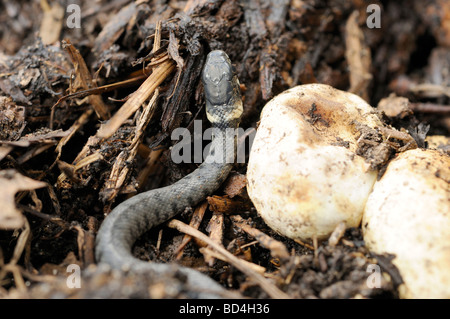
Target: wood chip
[
  {"x": 114, "y": 28},
  {"x": 83, "y": 80},
  {"x": 395, "y": 106},
  {"x": 235, "y": 185},
  {"x": 120, "y": 169},
  {"x": 227, "y": 205},
  {"x": 51, "y": 23},
  {"x": 358, "y": 58}
]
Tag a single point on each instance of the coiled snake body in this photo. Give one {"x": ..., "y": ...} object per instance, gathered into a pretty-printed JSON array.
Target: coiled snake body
[{"x": 133, "y": 217}]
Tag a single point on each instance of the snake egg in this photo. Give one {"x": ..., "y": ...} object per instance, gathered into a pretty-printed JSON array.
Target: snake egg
[
  {"x": 304, "y": 176},
  {"x": 408, "y": 215}
]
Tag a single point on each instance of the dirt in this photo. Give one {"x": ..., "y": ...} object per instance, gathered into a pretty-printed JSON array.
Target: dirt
[{"x": 58, "y": 89}]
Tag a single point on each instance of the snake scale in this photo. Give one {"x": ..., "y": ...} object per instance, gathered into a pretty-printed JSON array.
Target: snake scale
[{"x": 131, "y": 218}]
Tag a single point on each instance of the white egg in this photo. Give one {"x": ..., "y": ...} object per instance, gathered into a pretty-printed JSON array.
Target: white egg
[
  {"x": 408, "y": 215},
  {"x": 304, "y": 176}
]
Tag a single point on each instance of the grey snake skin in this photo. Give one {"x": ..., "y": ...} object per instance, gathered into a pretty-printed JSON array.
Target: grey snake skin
[{"x": 131, "y": 218}]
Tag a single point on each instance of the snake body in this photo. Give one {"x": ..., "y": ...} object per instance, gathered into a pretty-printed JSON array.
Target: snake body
[{"x": 131, "y": 218}]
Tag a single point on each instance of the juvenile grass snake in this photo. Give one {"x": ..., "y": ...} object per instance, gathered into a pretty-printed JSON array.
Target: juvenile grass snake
[{"x": 131, "y": 218}]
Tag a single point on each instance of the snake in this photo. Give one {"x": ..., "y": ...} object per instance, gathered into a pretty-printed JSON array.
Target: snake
[{"x": 138, "y": 214}]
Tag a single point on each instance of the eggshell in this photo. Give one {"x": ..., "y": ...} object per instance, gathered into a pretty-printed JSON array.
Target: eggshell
[
  {"x": 304, "y": 177},
  {"x": 408, "y": 215}
]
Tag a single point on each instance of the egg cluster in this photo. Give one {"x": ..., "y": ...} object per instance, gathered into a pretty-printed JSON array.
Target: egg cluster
[{"x": 308, "y": 172}]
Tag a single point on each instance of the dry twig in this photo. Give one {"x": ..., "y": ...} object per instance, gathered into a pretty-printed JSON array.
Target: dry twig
[
  {"x": 277, "y": 249},
  {"x": 195, "y": 222},
  {"x": 215, "y": 228},
  {"x": 337, "y": 234},
  {"x": 268, "y": 287}
]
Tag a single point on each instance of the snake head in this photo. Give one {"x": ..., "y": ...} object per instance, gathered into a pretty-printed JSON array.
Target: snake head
[{"x": 222, "y": 91}]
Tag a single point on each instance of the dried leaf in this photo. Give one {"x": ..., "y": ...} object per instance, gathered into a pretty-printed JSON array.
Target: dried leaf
[{"x": 12, "y": 182}]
